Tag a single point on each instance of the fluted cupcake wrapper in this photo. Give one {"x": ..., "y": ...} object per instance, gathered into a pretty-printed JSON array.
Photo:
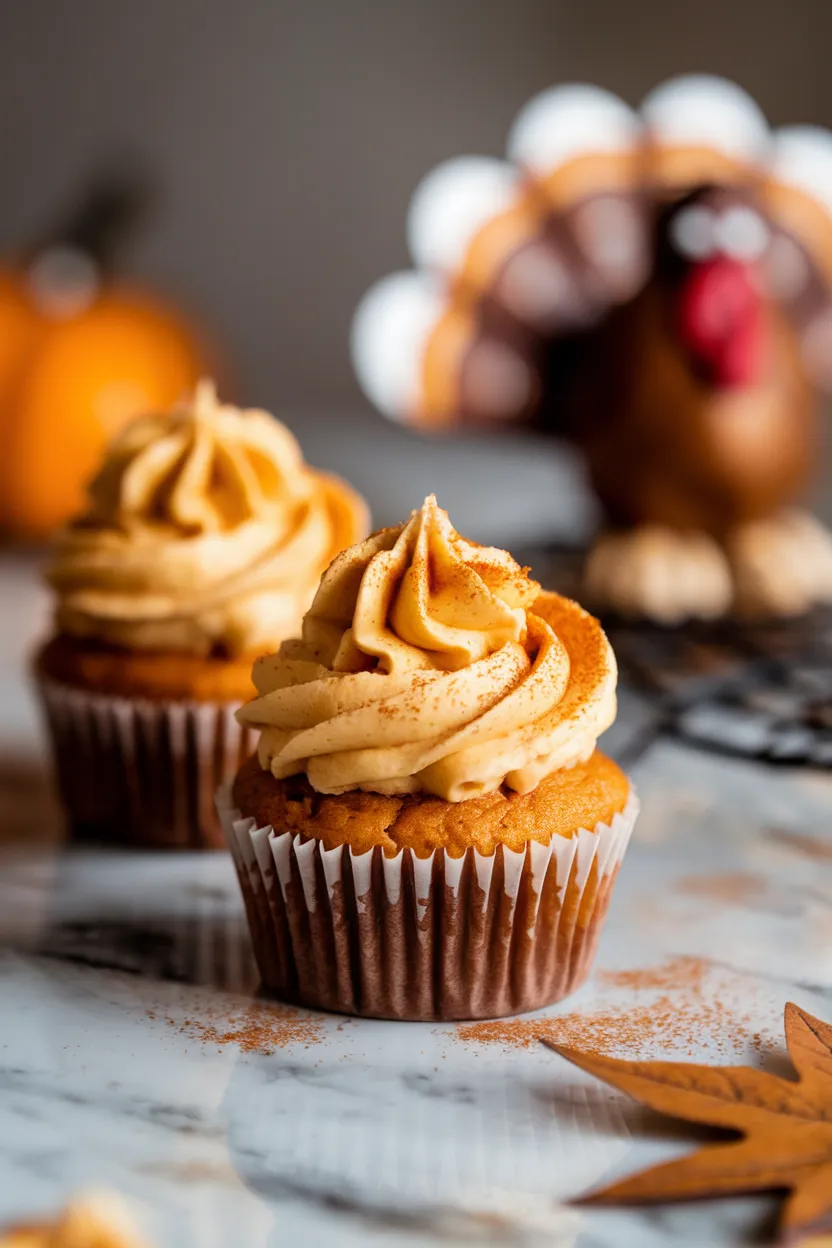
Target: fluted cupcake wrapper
[
  {"x": 140, "y": 772},
  {"x": 432, "y": 938}
]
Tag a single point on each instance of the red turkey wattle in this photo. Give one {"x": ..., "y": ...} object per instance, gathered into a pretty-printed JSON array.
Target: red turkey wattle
[{"x": 721, "y": 321}]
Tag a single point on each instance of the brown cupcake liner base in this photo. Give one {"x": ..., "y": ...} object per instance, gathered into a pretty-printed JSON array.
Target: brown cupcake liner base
[
  {"x": 135, "y": 772},
  {"x": 432, "y": 939}
]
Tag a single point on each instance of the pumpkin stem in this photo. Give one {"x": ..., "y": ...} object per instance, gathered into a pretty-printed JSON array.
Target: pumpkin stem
[{"x": 104, "y": 216}]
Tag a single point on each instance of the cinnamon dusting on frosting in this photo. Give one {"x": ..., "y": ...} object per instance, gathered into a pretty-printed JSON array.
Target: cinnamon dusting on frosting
[{"x": 430, "y": 664}]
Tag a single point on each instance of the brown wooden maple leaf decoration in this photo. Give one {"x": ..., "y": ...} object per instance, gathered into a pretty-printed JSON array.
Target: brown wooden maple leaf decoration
[{"x": 786, "y": 1127}]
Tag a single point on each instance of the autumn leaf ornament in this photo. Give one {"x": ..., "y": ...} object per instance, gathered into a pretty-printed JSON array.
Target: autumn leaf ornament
[{"x": 785, "y": 1127}]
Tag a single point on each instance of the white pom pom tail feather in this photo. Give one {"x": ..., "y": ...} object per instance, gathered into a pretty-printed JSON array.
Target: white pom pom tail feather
[
  {"x": 390, "y": 329},
  {"x": 701, "y": 110},
  {"x": 452, "y": 203},
  {"x": 569, "y": 121},
  {"x": 802, "y": 158}
]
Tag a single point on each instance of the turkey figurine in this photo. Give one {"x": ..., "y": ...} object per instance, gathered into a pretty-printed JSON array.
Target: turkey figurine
[{"x": 656, "y": 288}]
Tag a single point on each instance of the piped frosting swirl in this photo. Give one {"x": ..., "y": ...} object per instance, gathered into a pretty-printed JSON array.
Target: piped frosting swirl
[
  {"x": 429, "y": 663},
  {"x": 205, "y": 531}
]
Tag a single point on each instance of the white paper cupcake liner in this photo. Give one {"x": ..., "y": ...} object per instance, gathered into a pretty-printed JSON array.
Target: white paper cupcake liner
[
  {"x": 424, "y": 938},
  {"x": 133, "y": 771}
]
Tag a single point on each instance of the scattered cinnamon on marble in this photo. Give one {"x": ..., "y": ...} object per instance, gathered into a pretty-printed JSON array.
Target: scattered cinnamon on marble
[
  {"x": 688, "y": 1001},
  {"x": 254, "y": 1028},
  {"x": 808, "y": 846},
  {"x": 737, "y": 888}
]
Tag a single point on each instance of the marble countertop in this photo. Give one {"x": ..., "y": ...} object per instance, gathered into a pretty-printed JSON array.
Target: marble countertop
[{"x": 136, "y": 1054}]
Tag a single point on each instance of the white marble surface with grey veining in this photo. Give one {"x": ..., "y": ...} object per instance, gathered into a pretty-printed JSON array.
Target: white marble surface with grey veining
[{"x": 115, "y": 966}]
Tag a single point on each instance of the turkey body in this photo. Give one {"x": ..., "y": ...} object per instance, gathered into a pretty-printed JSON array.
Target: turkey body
[{"x": 666, "y": 446}]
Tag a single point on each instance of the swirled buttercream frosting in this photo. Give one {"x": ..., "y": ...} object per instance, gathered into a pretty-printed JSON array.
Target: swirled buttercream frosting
[
  {"x": 205, "y": 532},
  {"x": 429, "y": 663}
]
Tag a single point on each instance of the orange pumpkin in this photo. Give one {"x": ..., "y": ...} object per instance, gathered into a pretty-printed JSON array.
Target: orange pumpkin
[{"x": 80, "y": 354}]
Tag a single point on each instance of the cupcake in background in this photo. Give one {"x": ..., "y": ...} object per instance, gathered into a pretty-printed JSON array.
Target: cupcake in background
[
  {"x": 427, "y": 830},
  {"x": 202, "y": 546}
]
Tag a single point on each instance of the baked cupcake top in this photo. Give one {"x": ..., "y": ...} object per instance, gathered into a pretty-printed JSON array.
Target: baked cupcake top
[
  {"x": 428, "y": 663},
  {"x": 205, "y": 532}
]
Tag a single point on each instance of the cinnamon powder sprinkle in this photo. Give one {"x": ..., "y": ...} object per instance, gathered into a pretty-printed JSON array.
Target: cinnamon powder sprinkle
[
  {"x": 687, "y": 1005},
  {"x": 255, "y": 1028},
  {"x": 738, "y": 887},
  {"x": 810, "y": 846}
]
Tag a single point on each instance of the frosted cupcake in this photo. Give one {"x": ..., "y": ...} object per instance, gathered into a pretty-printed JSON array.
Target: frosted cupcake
[
  {"x": 427, "y": 830},
  {"x": 202, "y": 546}
]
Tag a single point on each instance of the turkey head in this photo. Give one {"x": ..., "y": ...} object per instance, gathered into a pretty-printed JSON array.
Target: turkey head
[{"x": 691, "y": 401}]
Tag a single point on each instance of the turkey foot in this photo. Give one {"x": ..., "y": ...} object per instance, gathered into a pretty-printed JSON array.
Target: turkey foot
[
  {"x": 782, "y": 566},
  {"x": 660, "y": 574}
]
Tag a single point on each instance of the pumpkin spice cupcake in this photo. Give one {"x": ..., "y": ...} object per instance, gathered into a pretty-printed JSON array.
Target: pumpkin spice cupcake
[
  {"x": 427, "y": 830},
  {"x": 202, "y": 546}
]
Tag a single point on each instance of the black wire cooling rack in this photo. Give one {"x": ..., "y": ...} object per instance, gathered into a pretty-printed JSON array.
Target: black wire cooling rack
[{"x": 758, "y": 690}]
